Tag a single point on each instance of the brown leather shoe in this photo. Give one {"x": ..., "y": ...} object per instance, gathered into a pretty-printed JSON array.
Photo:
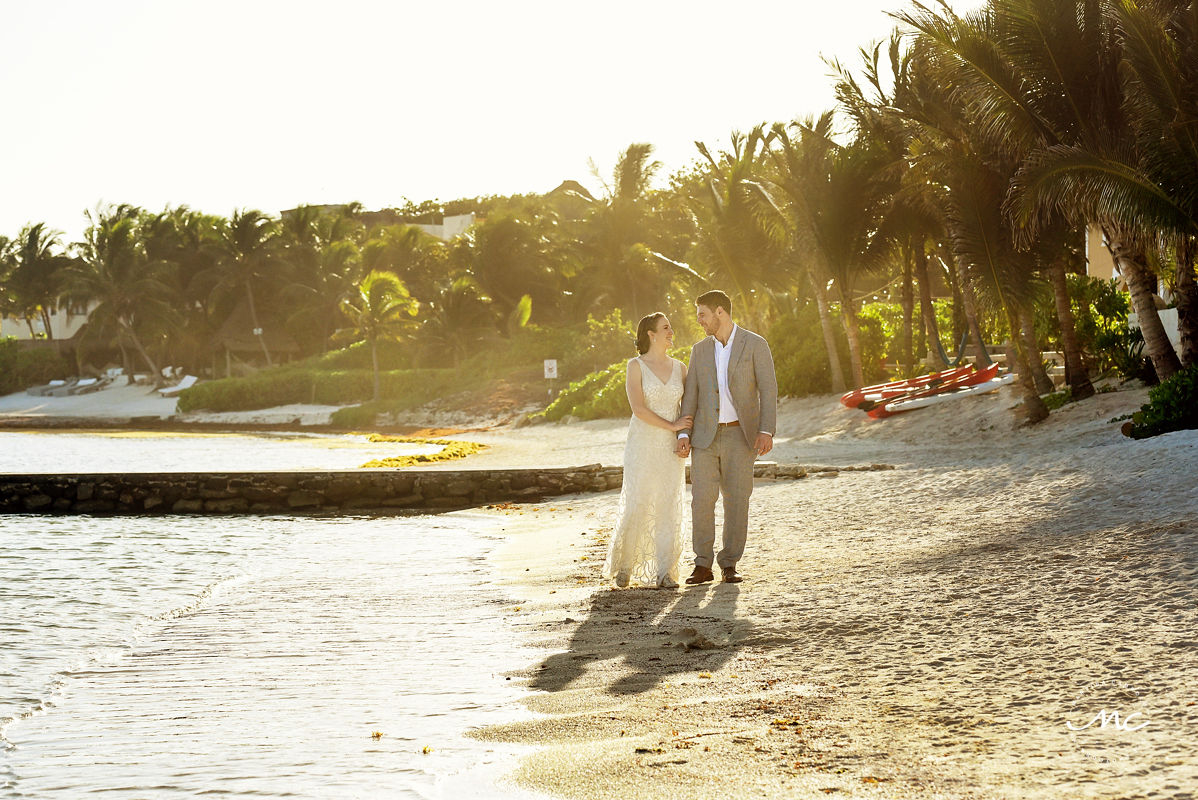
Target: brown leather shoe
[
  {"x": 730, "y": 575},
  {"x": 700, "y": 575}
]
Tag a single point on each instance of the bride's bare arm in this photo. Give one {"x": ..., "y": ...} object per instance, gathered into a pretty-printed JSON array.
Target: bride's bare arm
[{"x": 636, "y": 399}]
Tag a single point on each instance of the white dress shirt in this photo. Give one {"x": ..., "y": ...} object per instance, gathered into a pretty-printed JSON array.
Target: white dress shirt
[{"x": 722, "y": 353}]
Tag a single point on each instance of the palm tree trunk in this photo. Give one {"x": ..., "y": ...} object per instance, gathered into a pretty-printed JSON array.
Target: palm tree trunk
[
  {"x": 960, "y": 323},
  {"x": 1141, "y": 283},
  {"x": 374, "y": 362},
  {"x": 46, "y": 322},
  {"x": 825, "y": 323},
  {"x": 249, "y": 294},
  {"x": 1186, "y": 293},
  {"x": 1076, "y": 374},
  {"x": 907, "y": 298},
  {"x": 1033, "y": 409},
  {"x": 157, "y": 373},
  {"x": 925, "y": 302},
  {"x": 853, "y": 332},
  {"x": 970, "y": 305},
  {"x": 1027, "y": 331}
]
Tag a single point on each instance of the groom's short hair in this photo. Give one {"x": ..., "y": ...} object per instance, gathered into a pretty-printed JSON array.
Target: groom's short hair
[{"x": 715, "y": 299}]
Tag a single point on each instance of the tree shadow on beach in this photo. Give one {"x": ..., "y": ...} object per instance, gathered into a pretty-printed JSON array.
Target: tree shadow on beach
[{"x": 655, "y": 634}]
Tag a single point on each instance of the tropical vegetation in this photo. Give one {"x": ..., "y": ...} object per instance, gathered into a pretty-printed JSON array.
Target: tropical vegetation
[{"x": 941, "y": 206}]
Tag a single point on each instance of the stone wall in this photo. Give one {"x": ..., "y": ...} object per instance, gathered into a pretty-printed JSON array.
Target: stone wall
[
  {"x": 359, "y": 490},
  {"x": 291, "y": 492}
]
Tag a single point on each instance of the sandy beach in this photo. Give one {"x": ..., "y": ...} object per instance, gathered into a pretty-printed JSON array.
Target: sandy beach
[
  {"x": 943, "y": 629},
  {"x": 933, "y": 631}
]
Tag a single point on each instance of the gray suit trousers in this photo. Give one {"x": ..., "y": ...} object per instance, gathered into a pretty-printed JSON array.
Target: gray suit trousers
[{"x": 724, "y": 468}]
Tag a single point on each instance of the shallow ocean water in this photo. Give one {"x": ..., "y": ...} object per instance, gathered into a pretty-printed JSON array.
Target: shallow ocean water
[
  {"x": 258, "y": 655},
  {"x": 161, "y": 451}
]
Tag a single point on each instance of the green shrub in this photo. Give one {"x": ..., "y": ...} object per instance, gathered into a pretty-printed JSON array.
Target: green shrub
[
  {"x": 21, "y": 368},
  {"x": 362, "y": 416},
  {"x": 286, "y": 385},
  {"x": 601, "y": 394},
  {"x": 800, "y": 358},
  {"x": 1171, "y": 406},
  {"x": 1100, "y": 312},
  {"x": 579, "y": 398},
  {"x": 392, "y": 355},
  {"x": 1055, "y": 400}
]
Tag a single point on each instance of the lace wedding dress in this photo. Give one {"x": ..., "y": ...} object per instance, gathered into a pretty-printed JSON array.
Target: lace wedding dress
[{"x": 647, "y": 542}]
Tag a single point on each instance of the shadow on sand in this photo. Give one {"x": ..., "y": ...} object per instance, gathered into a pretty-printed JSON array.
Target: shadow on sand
[{"x": 654, "y": 633}]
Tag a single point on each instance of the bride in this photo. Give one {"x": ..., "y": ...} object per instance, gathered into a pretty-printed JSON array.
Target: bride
[{"x": 647, "y": 543}]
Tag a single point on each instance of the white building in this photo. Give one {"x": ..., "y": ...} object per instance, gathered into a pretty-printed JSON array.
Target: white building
[
  {"x": 451, "y": 226},
  {"x": 1099, "y": 264},
  {"x": 64, "y": 324}
]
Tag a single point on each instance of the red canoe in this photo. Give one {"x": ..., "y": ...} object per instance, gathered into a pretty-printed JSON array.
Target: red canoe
[
  {"x": 881, "y": 411},
  {"x": 895, "y": 388}
]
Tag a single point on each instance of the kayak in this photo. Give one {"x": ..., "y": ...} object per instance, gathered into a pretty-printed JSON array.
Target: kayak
[
  {"x": 980, "y": 376},
  {"x": 991, "y": 385},
  {"x": 882, "y": 391}
]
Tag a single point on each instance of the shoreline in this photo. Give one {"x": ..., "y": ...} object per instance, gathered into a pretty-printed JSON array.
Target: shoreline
[
  {"x": 925, "y": 632},
  {"x": 928, "y": 631}
]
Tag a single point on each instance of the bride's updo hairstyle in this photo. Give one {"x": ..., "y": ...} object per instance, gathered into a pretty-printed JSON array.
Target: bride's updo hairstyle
[{"x": 647, "y": 323}]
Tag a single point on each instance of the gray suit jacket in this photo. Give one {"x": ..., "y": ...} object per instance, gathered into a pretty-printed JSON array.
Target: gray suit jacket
[{"x": 751, "y": 382}]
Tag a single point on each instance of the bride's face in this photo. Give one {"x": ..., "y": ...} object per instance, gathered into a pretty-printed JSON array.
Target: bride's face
[{"x": 665, "y": 331}]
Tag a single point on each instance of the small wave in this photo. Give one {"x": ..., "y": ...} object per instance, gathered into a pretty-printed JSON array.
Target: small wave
[{"x": 106, "y": 655}]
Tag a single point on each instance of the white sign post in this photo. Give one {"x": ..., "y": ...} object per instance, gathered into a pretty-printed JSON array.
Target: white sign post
[{"x": 551, "y": 373}]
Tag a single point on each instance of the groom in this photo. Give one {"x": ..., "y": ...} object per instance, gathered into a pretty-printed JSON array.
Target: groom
[{"x": 732, "y": 393}]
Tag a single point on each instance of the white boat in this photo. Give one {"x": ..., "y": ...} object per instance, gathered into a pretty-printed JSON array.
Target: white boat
[{"x": 931, "y": 400}]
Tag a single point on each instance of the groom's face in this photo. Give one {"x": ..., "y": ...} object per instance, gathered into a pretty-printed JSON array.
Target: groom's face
[{"x": 708, "y": 320}]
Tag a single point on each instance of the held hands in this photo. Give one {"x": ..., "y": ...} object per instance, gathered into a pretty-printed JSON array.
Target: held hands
[
  {"x": 682, "y": 447},
  {"x": 764, "y": 444}
]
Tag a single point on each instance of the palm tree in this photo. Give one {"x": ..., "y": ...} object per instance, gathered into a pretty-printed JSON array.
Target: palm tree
[
  {"x": 8, "y": 262},
  {"x": 512, "y": 255},
  {"x": 1044, "y": 78},
  {"x": 838, "y": 201},
  {"x": 621, "y": 236},
  {"x": 381, "y": 308},
  {"x": 324, "y": 266},
  {"x": 127, "y": 290},
  {"x": 457, "y": 319},
  {"x": 799, "y": 163},
  {"x": 36, "y": 277},
  {"x": 742, "y": 232},
  {"x": 420, "y": 259},
  {"x": 249, "y": 255}
]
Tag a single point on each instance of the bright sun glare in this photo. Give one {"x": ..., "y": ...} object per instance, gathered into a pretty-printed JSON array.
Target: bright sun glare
[{"x": 227, "y": 104}]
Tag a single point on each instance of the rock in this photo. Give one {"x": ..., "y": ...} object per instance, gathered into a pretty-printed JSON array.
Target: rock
[
  {"x": 37, "y": 501},
  {"x": 691, "y": 639},
  {"x": 186, "y": 506},
  {"x": 233, "y": 506},
  {"x": 303, "y": 499}
]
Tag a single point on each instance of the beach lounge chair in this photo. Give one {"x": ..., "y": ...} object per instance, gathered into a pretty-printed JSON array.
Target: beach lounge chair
[
  {"x": 89, "y": 385},
  {"x": 64, "y": 391},
  {"x": 173, "y": 391},
  {"x": 41, "y": 391}
]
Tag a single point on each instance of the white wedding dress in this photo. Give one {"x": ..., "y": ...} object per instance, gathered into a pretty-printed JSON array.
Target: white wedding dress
[{"x": 647, "y": 541}]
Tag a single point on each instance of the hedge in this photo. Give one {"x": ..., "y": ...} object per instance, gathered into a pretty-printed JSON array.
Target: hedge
[{"x": 287, "y": 385}]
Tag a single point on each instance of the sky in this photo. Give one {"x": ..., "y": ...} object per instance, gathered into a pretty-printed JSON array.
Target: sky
[{"x": 221, "y": 105}]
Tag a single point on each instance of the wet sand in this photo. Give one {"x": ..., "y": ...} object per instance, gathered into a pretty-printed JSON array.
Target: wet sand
[{"x": 945, "y": 629}]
